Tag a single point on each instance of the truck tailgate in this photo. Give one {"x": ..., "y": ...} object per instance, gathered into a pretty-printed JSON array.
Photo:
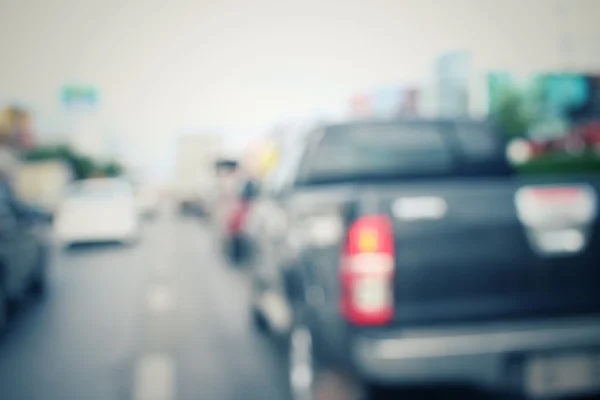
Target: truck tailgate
[{"x": 475, "y": 262}]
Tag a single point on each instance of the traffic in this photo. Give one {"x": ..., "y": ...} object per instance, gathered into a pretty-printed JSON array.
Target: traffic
[
  {"x": 377, "y": 256},
  {"x": 299, "y": 201}
]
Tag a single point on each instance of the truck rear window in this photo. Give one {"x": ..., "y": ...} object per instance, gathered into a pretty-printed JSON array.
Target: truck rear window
[{"x": 402, "y": 150}]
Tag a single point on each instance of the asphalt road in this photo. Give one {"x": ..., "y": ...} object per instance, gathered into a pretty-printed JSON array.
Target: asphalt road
[{"x": 164, "y": 319}]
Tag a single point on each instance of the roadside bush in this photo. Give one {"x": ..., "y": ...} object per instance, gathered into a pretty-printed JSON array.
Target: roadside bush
[
  {"x": 83, "y": 167},
  {"x": 561, "y": 163}
]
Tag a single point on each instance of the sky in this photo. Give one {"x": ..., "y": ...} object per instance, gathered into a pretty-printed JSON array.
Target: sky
[{"x": 165, "y": 67}]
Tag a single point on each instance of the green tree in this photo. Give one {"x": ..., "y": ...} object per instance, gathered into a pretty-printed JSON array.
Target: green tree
[
  {"x": 112, "y": 169},
  {"x": 83, "y": 167},
  {"x": 511, "y": 114}
]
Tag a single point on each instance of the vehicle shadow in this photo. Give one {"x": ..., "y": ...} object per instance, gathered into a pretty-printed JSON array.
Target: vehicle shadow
[
  {"x": 443, "y": 393},
  {"x": 85, "y": 247},
  {"x": 23, "y": 314}
]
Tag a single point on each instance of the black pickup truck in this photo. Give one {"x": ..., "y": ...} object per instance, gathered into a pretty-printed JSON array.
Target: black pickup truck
[{"x": 407, "y": 253}]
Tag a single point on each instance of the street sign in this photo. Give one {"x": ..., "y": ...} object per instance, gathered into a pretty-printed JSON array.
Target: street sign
[{"x": 79, "y": 96}]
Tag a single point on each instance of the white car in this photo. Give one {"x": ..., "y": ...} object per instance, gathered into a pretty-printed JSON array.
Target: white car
[{"x": 98, "y": 210}]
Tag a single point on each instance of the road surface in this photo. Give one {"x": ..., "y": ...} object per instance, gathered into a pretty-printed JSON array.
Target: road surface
[{"x": 164, "y": 319}]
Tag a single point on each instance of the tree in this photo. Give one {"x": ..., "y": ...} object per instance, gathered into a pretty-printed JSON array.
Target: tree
[
  {"x": 511, "y": 114},
  {"x": 112, "y": 169},
  {"x": 83, "y": 167}
]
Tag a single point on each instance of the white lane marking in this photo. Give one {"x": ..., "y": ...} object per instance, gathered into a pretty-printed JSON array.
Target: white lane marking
[
  {"x": 154, "y": 378},
  {"x": 160, "y": 299},
  {"x": 277, "y": 311}
]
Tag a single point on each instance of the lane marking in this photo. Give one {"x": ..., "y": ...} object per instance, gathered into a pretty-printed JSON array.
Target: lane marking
[
  {"x": 160, "y": 299},
  {"x": 154, "y": 378},
  {"x": 277, "y": 311}
]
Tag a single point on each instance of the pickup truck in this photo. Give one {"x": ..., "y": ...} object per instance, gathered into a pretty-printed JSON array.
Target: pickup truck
[{"x": 407, "y": 254}]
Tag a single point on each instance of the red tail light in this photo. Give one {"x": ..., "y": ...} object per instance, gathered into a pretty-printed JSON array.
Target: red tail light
[
  {"x": 544, "y": 206},
  {"x": 238, "y": 217},
  {"x": 367, "y": 272},
  {"x": 558, "y": 193}
]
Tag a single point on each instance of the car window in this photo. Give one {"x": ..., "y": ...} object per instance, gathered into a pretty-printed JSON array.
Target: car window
[
  {"x": 476, "y": 141},
  {"x": 372, "y": 151},
  {"x": 367, "y": 150}
]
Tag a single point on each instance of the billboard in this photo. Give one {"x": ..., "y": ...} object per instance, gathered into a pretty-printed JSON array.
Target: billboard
[
  {"x": 79, "y": 96},
  {"x": 559, "y": 107}
]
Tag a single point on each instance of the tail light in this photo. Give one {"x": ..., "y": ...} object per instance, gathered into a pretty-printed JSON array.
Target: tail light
[
  {"x": 238, "y": 217},
  {"x": 557, "y": 218},
  {"x": 543, "y": 206},
  {"x": 367, "y": 272}
]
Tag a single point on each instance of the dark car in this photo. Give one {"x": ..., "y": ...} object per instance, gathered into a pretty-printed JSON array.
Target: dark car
[
  {"x": 24, "y": 251},
  {"x": 406, "y": 253}
]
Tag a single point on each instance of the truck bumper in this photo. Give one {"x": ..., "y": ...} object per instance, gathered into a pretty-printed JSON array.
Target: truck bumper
[{"x": 492, "y": 357}]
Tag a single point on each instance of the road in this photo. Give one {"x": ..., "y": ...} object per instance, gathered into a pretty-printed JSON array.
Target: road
[{"x": 164, "y": 319}]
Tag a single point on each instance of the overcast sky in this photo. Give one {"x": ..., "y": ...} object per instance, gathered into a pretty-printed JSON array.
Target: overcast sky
[{"x": 166, "y": 66}]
